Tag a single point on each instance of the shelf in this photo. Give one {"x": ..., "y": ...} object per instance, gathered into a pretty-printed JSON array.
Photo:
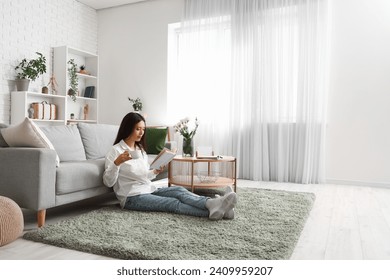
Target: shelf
[
  {"x": 78, "y": 52},
  {"x": 42, "y": 95},
  {"x": 21, "y": 103},
  {"x": 85, "y": 98},
  {"x": 48, "y": 121},
  {"x": 86, "y": 76},
  {"x": 62, "y": 55},
  {"x": 79, "y": 121},
  {"x": 185, "y": 180},
  {"x": 65, "y": 106}
]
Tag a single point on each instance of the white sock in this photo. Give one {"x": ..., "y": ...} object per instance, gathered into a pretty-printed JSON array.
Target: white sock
[
  {"x": 229, "y": 215},
  {"x": 219, "y": 206}
]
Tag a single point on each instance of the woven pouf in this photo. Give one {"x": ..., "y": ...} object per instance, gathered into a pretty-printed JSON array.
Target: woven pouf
[{"x": 11, "y": 221}]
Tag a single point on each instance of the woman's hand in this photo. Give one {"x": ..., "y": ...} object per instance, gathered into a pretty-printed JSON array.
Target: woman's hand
[
  {"x": 125, "y": 156},
  {"x": 158, "y": 171}
]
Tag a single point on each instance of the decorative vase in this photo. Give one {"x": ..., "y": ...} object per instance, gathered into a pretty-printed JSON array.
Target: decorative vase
[
  {"x": 188, "y": 147},
  {"x": 138, "y": 112},
  {"x": 72, "y": 94},
  {"x": 22, "y": 84}
]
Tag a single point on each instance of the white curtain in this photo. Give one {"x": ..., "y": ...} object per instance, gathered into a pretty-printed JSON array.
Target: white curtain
[{"x": 255, "y": 74}]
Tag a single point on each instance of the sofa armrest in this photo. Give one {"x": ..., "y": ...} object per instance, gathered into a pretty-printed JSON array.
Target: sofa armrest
[{"x": 28, "y": 176}]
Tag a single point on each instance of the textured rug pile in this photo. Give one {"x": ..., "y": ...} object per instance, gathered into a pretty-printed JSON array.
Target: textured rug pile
[{"x": 267, "y": 226}]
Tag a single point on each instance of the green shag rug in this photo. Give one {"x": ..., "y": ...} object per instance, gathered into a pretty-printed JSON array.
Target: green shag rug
[{"x": 267, "y": 226}]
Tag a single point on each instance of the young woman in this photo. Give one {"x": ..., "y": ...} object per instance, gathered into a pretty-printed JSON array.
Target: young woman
[{"x": 127, "y": 170}]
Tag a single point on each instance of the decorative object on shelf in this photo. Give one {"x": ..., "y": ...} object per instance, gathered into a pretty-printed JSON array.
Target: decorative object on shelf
[
  {"x": 86, "y": 110},
  {"x": 82, "y": 70},
  {"x": 188, "y": 136},
  {"x": 31, "y": 112},
  {"x": 72, "y": 116},
  {"x": 29, "y": 70},
  {"x": 207, "y": 177},
  {"x": 45, "y": 90},
  {"x": 73, "y": 79},
  {"x": 89, "y": 91},
  {"x": 136, "y": 103},
  {"x": 53, "y": 84}
]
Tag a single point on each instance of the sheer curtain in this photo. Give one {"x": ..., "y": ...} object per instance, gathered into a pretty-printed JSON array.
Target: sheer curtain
[
  {"x": 199, "y": 72},
  {"x": 257, "y": 70}
]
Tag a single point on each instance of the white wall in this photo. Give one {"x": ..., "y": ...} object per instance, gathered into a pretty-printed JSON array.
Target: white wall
[
  {"x": 27, "y": 27},
  {"x": 132, "y": 48},
  {"x": 133, "y": 58},
  {"x": 358, "y": 139}
]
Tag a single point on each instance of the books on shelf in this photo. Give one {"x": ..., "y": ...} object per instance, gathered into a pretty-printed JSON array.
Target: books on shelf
[
  {"x": 43, "y": 111},
  {"x": 163, "y": 158}
]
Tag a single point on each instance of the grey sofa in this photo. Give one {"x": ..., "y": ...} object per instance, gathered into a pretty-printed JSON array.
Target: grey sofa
[{"x": 31, "y": 178}]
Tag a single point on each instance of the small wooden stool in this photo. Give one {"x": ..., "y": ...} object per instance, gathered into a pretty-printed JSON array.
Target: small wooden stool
[{"x": 11, "y": 221}]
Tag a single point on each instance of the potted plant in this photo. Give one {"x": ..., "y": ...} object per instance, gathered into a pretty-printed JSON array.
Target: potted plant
[
  {"x": 136, "y": 103},
  {"x": 188, "y": 135},
  {"x": 29, "y": 70},
  {"x": 73, "y": 79}
]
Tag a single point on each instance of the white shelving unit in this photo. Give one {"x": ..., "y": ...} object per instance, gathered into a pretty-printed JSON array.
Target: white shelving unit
[
  {"x": 61, "y": 57},
  {"x": 21, "y": 102}
]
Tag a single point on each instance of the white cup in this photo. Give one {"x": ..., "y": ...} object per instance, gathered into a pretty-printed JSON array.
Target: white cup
[{"x": 135, "y": 154}]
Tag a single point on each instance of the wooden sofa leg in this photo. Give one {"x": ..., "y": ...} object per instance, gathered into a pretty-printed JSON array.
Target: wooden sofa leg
[{"x": 41, "y": 215}]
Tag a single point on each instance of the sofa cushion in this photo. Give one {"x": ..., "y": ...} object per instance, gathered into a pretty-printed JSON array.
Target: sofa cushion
[
  {"x": 79, "y": 175},
  {"x": 27, "y": 134},
  {"x": 2, "y": 141},
  {"x": 66, "y": 140},
  {"x": 97, "y": 138},
  {"x": 155, "y": 139}
]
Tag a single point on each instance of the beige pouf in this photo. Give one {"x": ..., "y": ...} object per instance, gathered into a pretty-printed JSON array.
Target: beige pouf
[{"x": 11, "y": 221}]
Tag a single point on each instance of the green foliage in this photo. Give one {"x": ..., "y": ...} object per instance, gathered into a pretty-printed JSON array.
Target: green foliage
[
  {"x": 31, "y": 69},
  {"x": 137, "y": 104},
  {"x": 73, "y": 79}
]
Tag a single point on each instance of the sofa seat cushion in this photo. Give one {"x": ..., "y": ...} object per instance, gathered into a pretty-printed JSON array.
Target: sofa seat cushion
[
  {"x": 66, "y": 140},
  {"x": 97, "y": 138},
  {"x": 79, "y": 175}
]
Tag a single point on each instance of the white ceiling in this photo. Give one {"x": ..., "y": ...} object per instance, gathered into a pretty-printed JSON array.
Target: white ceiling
[{"x": 102, "y": 4}]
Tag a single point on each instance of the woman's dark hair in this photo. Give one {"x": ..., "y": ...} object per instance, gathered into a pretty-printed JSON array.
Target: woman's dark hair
[{"x": 127, "y": 127}]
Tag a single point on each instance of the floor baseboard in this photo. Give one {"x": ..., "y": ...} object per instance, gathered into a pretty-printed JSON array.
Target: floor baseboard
[{"x": 358, "y": 183}]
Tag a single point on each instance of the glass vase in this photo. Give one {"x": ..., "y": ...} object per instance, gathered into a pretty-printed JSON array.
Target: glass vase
[{"x": 188, "y": 147}]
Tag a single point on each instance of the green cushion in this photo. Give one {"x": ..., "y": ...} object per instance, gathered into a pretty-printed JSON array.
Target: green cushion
[{"x": 155, "y": 139}]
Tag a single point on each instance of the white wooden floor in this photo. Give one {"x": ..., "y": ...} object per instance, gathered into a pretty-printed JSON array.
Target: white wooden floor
[{"x": 346, "y": 223}]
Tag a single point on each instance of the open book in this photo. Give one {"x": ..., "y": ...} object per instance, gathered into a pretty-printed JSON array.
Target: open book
[{"x": 163, "y": 158}]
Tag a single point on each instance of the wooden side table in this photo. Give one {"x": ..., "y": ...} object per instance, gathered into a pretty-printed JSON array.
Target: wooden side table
[{"x": 192, "y": 172}]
